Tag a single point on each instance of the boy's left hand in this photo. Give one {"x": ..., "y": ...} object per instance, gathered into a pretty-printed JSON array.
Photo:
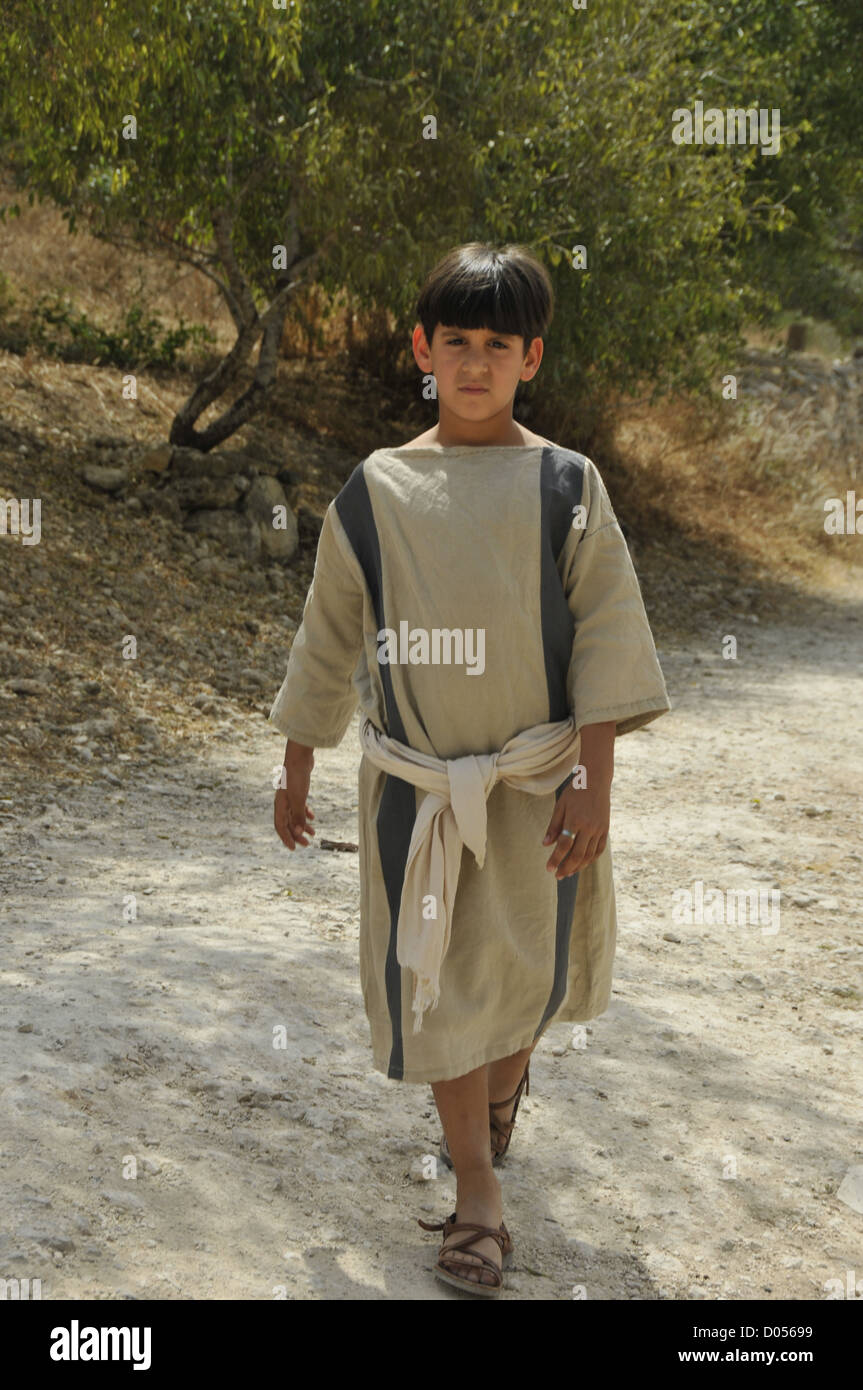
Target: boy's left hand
[{"x": 587, "y": 812}]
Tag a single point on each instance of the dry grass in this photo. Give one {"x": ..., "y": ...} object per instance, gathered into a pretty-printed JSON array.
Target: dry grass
[{"x": 38, "y": 256}]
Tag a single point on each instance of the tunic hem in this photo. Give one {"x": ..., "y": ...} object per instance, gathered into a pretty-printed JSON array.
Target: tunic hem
[{"x": 492, "y": 1053}]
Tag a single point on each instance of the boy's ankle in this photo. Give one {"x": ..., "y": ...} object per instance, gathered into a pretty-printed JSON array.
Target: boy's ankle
[{"x": 477, "y": 1182}]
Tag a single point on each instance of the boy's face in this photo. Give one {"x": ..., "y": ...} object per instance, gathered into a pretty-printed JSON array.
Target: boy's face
[{"x": 463, "y": 358}]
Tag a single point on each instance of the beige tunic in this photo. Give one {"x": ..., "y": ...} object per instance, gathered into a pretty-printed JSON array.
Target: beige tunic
[{"x": 462, "y": 595}]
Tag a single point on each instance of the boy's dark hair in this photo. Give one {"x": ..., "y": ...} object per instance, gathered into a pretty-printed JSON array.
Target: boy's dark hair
[{"x": 479, "y": 286}]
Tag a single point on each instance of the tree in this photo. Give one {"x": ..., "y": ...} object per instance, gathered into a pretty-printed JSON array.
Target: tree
[{"x": 305, "y": 126}]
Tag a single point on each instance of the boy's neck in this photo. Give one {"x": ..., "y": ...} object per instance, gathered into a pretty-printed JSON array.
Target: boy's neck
[{"x": 451, "y": 432}]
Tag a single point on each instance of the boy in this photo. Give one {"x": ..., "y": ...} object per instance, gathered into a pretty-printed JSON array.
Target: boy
[{"x": 474, "y": 594}]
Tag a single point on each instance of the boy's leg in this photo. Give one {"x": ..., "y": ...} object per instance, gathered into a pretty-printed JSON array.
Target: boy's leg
[
  {"x": 503, "y": 1080},
  {"x": 463, "y": 1108}
]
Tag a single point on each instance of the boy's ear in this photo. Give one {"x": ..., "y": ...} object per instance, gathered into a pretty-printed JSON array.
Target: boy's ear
[{"x": 418, "y": 340}]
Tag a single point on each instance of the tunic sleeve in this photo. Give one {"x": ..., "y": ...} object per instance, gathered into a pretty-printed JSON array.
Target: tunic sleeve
[
  {"x": 318, "y": 698},
  {"x": 614, "y": 672}
]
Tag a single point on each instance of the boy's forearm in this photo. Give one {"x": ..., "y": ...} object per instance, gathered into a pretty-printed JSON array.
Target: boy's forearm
[{"x": 597, "y": 749}]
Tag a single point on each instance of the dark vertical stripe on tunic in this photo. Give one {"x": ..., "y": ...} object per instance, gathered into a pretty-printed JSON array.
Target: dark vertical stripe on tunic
[
  {"x": 397, "y": 809},
  {"x": 561, "y": 481},
  {"x": 561, "y": 485}
]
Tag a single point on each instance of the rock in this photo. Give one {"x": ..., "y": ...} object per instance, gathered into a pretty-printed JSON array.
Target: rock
[
  {"x": 104, "y": 479},
  {"x": 750, "y": 981},
  {"x": 198, "y": 493},
  {"x": 266, "y": 504},
  {"x": 108, "y": 441},
  {"x": 850, "y": 1189},
  {"x": 238, "y": 533},
  {"x": 157, "y": 460},
  {"x": 129, "y": 1200},
  {"x": 219, "y": 463},
  {"x": 276, "y": 578},
  {"x": 318, "y": 1118},
  {"x": 168, "y": 504},
  {"x": 59, "y": 1243},
  {"x": 210, "y": 566},
  {"x": 259, "y": 678},
  {"x": 100, "y": 728},
  {"x": 558, "y": 1051},
  {"x": 25, "y": 686},
  {"x": 671, "y": 936},
  {"x": 147, "y": 499},
  {"x": 255, "y": 1098}
]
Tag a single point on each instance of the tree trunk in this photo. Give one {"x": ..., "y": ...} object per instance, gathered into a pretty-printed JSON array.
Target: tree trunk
[{"x": 250, "y": 326}]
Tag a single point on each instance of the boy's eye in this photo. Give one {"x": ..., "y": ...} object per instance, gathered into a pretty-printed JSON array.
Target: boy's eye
[{"x": 496, "y": 342}]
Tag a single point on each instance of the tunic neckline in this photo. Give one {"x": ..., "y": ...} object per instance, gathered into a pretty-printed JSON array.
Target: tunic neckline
[{"x": 458, "y": 448}]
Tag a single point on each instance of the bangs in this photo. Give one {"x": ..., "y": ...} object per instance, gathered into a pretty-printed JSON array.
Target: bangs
[{"x": 475, "y": 286}]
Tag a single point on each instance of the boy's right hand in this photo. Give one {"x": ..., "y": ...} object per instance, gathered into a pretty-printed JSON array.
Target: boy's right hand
[{"x": 291, "y": 814}]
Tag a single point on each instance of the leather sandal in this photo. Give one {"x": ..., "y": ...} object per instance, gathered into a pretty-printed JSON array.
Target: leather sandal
[
  {"x": 502, "y": 1129},
  {"x": 499, "y": 1130},
  {"x": 449, "y": 1255}
]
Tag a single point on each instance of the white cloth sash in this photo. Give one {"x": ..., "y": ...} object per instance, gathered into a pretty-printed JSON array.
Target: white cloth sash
[{"x": 453, "y": 815}]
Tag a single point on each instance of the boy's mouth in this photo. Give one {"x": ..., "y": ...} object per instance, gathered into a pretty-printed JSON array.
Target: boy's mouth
[{"x": 474, "y": 390}]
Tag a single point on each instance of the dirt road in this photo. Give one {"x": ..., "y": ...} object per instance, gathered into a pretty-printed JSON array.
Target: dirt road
[{"x": 158, "y": 940}]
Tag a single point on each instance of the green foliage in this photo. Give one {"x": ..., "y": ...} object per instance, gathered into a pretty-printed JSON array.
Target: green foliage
[
  {"x": 140, "y": 341},
  {"x": 553, "y": 129}
]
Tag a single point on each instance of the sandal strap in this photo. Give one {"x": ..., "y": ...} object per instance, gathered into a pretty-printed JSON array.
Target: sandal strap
[
  {"x": 436, "y": 1225},
  {"x": 501, "y": 1235},
  {"x": 479, "y": 1233},
  {"x": 466, "y": 1247},
  {"x": 504, "y": 1128},
  {"x": 516, "y": 1096}
]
